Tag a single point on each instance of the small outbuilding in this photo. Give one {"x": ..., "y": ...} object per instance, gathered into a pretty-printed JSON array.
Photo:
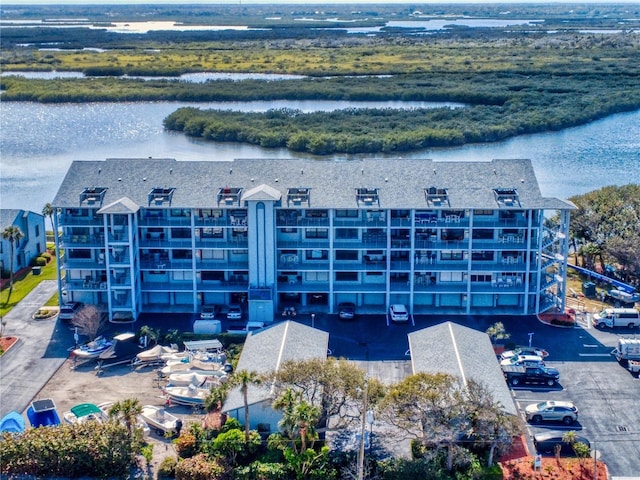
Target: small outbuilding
[
  {"x": 461, "y": 352},
  {"x": 264, "y": 352}
]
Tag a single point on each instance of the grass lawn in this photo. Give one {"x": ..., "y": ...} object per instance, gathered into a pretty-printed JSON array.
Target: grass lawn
[{"x": 23, "y": 283}]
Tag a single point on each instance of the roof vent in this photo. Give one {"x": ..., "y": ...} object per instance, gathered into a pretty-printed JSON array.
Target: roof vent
[
  {"x": 230, "y": 171},
  {"x": 170, "y": 171}
]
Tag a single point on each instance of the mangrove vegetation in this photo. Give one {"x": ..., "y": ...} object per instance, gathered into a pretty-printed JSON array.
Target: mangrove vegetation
[{"x": 508, "y": 82}]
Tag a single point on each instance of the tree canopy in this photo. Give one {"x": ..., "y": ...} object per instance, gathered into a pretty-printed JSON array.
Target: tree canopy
[{"x": 605, "y": 228}]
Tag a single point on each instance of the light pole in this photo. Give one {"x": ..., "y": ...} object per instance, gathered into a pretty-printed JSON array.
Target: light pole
[
  {"x": 313, "y": 320},
  {"x": 530, "y": 338}
]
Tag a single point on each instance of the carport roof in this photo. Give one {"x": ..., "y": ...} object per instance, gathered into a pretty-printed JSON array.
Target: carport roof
[{"x": 462, "y": 352}]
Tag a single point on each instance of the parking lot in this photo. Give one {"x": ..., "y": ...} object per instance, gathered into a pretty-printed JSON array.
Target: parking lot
[{"x": 606, "y": 394}]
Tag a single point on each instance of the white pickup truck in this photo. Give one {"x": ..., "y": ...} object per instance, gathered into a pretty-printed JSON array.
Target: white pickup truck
[{"x": 243, "y": 330}]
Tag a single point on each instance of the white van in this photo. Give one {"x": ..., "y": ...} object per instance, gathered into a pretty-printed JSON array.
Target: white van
[{"x": 617, "y": 317}]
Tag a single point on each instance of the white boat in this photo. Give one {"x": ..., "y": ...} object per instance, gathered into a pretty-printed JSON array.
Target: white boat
[
  {"x": 85, "y": 412},
  {"x": 161, "y": 421},
  {"x": 153, "y": 355},
  {"x": 189, "y": 395},
  {"x": 192, "y": 378},
  {"x": 92, "y": 349},
  {"x": 140, "y": 423}
]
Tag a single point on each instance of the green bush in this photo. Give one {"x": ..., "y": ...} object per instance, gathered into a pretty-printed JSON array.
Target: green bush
[
  {"x": 262, "y": 471},
  {"x": 186, "y": 445},
  {"x": 47, "y": 256},
  {"x": 199, "y": 468},
  {"x": 167, "y": 468},
  {"x": 39, "y": 261},
  {"x": 97, "y": 450}
]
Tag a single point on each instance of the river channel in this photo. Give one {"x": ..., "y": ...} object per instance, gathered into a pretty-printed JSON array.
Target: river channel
[{"x": 38, "y": 143}]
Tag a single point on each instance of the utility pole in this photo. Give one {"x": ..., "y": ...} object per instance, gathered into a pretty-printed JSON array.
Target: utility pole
[{"x": 363, "y": 426}]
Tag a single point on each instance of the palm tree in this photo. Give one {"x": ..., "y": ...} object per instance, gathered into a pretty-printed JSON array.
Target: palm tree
[
  {"x": 216, "y": 397},
  {"x": 306, "y": 418},
  {"x": 127, "y": 410},
  {"x": 48, "y": 211},
  {"x": 13, "y": 234},
  {"x": 243, "y": 379}
]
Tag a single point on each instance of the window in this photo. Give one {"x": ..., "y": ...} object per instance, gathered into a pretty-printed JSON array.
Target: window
[
  {"x": 346, "y": 276},
  {"x": 181, "y": 275},
  {"x": 346, "y": 255},
  {"x": 452, "y": 234},
  {"x": 346, "y": 234},
  {"x": 181, "y": 233},
  {"x": 483, "y": 212},
  {"x": 212, "y": 276},
  {"x": 180, "y": 212},
  {"x": 316, "y": 214},
  {"x": 482, "y": 255},
  {"x": 346, "y": 213},
  {"x": 317, "y": 233},
  {"x": 482, "y": 278},
  {"x": 316, "y": 254},
  {"x": 451, "y": 277},
  {"x": 451, "y": 255},
  {"x": 73, "y": 254},
  {"x": 209, "y": 233},
  {"x": 482, "y": 234},
  {"x": 37, "y": 230},
  {"x": 182, "y": 254}
]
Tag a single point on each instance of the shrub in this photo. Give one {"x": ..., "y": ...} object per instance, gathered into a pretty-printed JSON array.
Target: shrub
[
  {"x": 198, "y": 468},
  {"x": 167, "y": 468},
  {"x": 47, "y": 256},
  {"x": 39, "y": 261},
  {"x": 186, "y": 445},
  {"x": 562, "y": 323}
]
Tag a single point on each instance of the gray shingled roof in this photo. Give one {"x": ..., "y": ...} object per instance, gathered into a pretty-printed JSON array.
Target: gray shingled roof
[
  {"x": 332, "y": 184},
  {"x": 462, "y": 352},
  {"x": 266, "y": 350},
  {"x": 8, "y": 217}
]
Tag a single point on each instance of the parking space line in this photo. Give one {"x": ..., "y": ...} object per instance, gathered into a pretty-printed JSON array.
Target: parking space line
[{"x": 594, "y": 354}]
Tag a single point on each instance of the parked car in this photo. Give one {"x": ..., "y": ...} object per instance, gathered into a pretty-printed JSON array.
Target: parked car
[
  {"x": 546, "y": 442},
  {"x": 209, "y": 312},
  {"x": 234, "y": 312},
  {"x": 519, "y": 375},
  {"x": 540, "y": 352},
  {"x": 346, "y": 311},
  {"x": 399, "y": 313},
  {"x": 524, "y": 360},
  {"x": 552, "y": 411},
  {"x": 68, "y": 311}
]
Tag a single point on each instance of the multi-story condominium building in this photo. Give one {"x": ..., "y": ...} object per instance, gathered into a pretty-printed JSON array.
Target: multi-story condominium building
[{"x": 140, "y": 235}]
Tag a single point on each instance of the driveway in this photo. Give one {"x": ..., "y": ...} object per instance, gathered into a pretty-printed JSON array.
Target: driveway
[{"x": 41, "y": 349}]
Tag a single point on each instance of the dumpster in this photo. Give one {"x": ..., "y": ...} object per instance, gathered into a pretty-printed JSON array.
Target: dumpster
[{"x": 589, "y": 289}]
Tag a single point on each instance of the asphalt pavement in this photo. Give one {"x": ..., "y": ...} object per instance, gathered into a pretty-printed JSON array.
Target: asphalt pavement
[{"x": 41, "y": 349}]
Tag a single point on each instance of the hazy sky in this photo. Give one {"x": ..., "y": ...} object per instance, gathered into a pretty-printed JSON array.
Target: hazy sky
[{"x": 246, "y": 2}]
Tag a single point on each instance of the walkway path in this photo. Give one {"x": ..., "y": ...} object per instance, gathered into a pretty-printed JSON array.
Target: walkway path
[{"x": 40, "y": 351}]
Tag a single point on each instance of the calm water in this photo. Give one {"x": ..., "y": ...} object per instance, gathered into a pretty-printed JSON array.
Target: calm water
[{"x": 39, "y": 142}]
